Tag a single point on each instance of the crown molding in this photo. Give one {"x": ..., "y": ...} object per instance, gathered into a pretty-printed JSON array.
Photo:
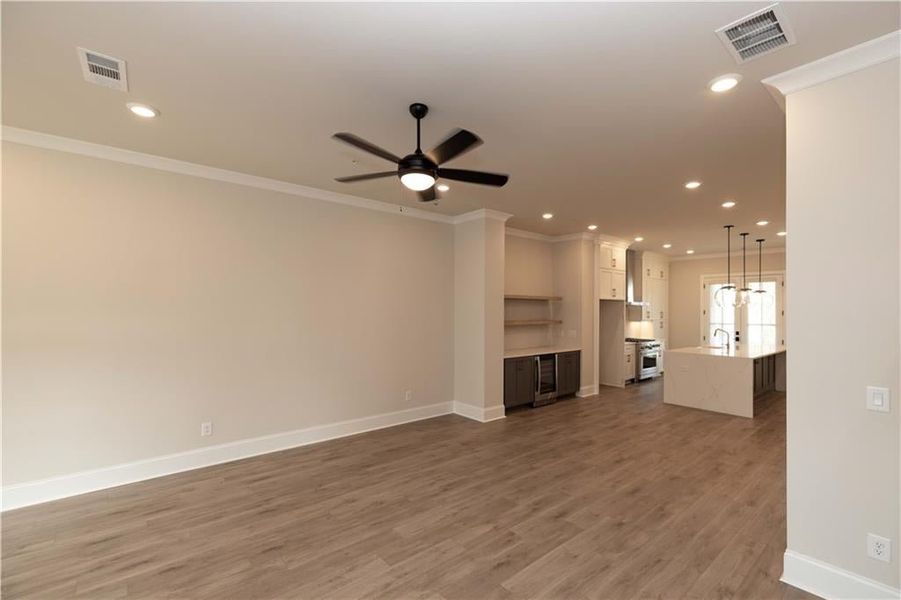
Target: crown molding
[
  {"x": 529, "y": 235},
  {"x": 161, "y": 163},
  {"x": 551, "y": 239},
  {"x": 846, "y": 61},
  {"x": 482, "y": 213},
  {"x": 779, "y": 250},
  {"x": 575, "y": 236},
  {"x": 613, "y": 241}
]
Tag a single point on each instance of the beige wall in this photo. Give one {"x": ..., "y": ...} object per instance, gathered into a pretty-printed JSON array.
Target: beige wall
[
  {"x": 529, "y": 270},
  {"x": 843, "y": 223},
  {"x": 138, "y": 303},
  {"x": 685, "y": 292},
  {"x": 529, "y": 266}
]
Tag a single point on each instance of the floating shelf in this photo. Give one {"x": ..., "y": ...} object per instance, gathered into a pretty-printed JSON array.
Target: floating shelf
[
  {"x": 526, "y": 297},
  {"x": 524, "y": 322}
]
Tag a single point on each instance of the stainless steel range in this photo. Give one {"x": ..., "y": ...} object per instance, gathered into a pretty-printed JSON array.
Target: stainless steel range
[{"x": 649, "y": 358}]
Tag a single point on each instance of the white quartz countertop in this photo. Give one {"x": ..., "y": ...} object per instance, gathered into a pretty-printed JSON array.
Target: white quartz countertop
[
  {"x": 520, "y": 352},
  {"x": 739, "y": 351}
]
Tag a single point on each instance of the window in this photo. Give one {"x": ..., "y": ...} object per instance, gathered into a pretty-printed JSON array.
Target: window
[{"x": 761, "y": 321}]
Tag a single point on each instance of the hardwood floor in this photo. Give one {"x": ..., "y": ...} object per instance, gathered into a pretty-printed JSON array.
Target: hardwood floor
[{"x": 614, "y": 496}]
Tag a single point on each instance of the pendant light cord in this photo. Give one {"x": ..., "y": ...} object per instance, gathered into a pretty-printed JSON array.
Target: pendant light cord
[
  {"x": 728, "y": 229},
  {"x": 760, "y": 263},
  {"x": 744, "y": 261}
]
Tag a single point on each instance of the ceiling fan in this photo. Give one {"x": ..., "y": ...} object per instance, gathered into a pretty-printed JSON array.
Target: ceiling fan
[{"x": 419, "y": 170}]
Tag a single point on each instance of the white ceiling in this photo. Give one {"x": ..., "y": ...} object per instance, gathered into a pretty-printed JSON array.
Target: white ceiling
[{"x": 599, "y": 112}]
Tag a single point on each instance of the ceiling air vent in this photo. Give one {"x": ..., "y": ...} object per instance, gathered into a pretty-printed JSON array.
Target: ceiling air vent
[
  {"x": 761, "y": 32},
  {"x": 103, "y": 70}
]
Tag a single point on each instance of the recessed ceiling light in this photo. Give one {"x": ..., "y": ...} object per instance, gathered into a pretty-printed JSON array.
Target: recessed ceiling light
[
  {"x": 689, "y": 252},
  {"x": 728, "y": 204},
  {"x": 724, "y": 83},
  {"x": 667, "y": 246},
  {"x": 693, "y": 185},
  {"x": 592, "y": 227},
  {"x": 639, "y": 239},
  {"x": 142, "y": 110},
  {"x": 762, "y": 223},
  {"x": 442, "y": 187},
  {"x": 547, "y": 216},
  {"x": 780, "y": 233}
]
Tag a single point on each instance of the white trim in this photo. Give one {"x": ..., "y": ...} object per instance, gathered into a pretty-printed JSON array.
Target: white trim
[
  {"x": 476, "y": 413},
  {"x": 847, "y": 61},
  {"x": 613, "y": 241},
  {"x": 150, "y": 161},
  {"x": 829, "y": 581},
  {"x": 569, "y": 237},
  {"x": 44, "y": 490},
  {"x": 779, "y": 250},
  {"x": 529, "y": 235},
  {"x": 482, "y": 213},
  {"x": 587, "y": 390}
]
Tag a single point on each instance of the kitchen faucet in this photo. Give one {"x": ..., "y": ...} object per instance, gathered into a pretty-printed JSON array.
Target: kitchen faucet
[{"x": 717, "y": 330}]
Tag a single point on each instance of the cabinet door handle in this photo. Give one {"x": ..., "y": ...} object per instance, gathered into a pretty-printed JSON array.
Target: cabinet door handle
[
  {"x": 661, "y": 314},
  {"x": 613, "y": 262},
  {"x": 649, "y": 272},
  {"x": 661, "y": 274},
  {"x": 614, "y": 292}
]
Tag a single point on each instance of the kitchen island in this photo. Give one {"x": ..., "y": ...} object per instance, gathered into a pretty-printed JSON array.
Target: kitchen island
[{"x": 722, "y": 379}]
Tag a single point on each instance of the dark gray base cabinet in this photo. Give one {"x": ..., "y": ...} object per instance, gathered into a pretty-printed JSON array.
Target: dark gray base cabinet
[
  {"x": 520, "y": 378},
  {"x": 569, "y": 373},
  {"x": 519, "y": 381}
]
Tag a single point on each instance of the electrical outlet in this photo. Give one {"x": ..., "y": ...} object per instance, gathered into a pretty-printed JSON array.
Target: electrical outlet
[
  {"x": 206, "y": 428},
  {"x": 879, "y": 547},
  {"x": 408, "y": 396},
  {"x": 879, "y": 399}
]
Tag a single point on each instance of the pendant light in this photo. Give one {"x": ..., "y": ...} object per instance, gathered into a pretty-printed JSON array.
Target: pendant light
[
  {"x": 760, "y": 289},
  {"x": 764, "y": 298},
  {"x": 725, "y": 295},
  {"x": 744, "y": 294}
]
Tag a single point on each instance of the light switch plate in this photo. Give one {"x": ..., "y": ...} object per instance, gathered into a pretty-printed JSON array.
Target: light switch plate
[{"x": 879, "y": 399}]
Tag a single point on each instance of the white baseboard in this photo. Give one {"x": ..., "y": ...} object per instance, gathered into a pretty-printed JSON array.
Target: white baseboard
[
  {"x": 829, "y": 581},
  {"x": 587, "y": 390},
  {"x": 476, "y": 413},
  {"x": 44, "y": 490}
]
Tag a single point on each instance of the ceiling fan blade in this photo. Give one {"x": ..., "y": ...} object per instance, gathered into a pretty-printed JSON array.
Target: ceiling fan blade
[
  {"x": 473, "y": 176},
  {"x": 427, "y": 195},
  {"x": 358, "y": 142},
  {"x": 366, "y": 176},
  {"x": 455, "y": 144}
]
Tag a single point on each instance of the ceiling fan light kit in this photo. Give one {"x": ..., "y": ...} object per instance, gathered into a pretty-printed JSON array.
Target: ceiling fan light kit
[{"x": 420, "y": 170}]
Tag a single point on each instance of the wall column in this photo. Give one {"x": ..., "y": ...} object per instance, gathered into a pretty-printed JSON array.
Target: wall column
[
  {"x": 479, "y": 314},
  {"x": 842, "y": 274}
]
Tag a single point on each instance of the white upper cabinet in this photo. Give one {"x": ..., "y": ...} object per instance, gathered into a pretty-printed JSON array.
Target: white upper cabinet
[
  {"x": 611, "y": 285},
  {"x": 655, "y": 266},
  {"x": 612, "y": 257}
]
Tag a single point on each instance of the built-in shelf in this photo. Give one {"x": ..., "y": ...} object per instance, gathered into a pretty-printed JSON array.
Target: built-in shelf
[
  {"x": 523, "y": 322},
  {"x": 526, "y": 297}
]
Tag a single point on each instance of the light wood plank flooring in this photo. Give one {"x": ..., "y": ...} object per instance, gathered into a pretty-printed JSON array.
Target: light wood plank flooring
[{"x": 614, "y": 496}]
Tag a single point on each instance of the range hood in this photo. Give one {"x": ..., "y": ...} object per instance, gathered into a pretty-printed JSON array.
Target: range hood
[{"x": 634, "y": 287}]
